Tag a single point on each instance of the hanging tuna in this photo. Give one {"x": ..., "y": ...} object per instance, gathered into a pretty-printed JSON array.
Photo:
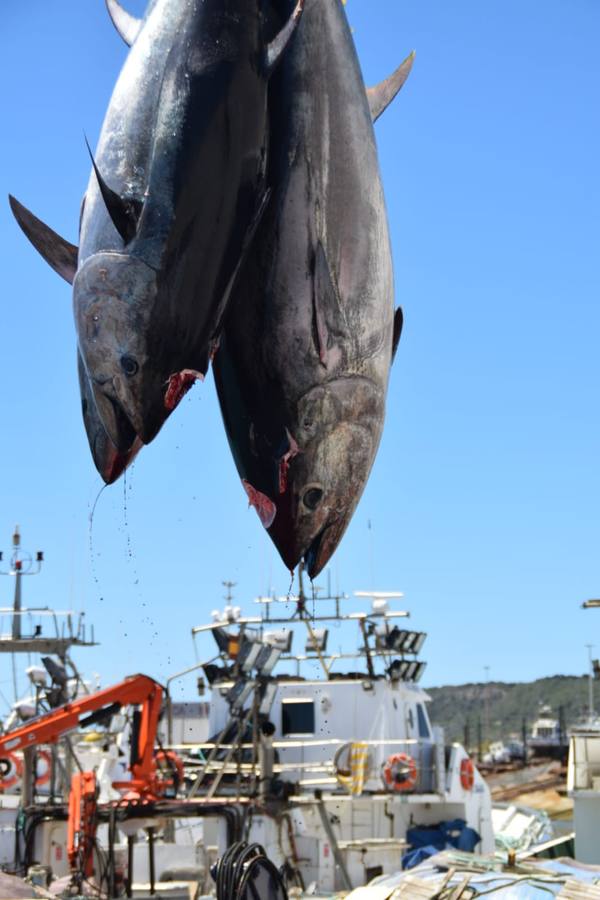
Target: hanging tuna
[
  {"x": 310, "y": 334},
  {"x": 177, "y": 188}
]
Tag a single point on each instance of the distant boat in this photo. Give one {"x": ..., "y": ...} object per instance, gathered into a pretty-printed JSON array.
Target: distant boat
[{"x": 547, "y": 736}]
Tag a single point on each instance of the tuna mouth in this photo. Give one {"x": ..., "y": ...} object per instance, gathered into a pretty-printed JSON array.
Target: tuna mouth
[
  {"x": 318, "y": 552},
  {"x": 119, "y": 429},
  {"x": 178, "y": 385},
  {"x": 109, "y": 462}
]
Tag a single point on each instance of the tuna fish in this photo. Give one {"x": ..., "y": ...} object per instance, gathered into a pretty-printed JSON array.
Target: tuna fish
[
  {"x": 303, "y": 364},
  {"x": 177, "y": 187}
]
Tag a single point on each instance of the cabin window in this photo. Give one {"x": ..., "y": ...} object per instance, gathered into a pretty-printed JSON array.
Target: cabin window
[
  {"x": 423, "y": 724},
  {"x": 297, "y": 717}
]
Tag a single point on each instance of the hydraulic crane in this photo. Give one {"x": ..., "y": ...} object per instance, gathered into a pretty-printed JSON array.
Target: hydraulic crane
[{"x": 146, "y": 783}]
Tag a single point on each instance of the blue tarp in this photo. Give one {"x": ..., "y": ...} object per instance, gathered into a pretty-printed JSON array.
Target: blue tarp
[{"x": 426, "y": 841}]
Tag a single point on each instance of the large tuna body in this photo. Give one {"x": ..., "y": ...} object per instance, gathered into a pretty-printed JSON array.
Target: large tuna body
[
  {"x": 303, "y": 364},
  {"x": 179, "y": 178}
]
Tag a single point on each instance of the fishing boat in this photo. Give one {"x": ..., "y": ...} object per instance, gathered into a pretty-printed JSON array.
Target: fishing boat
[{"x": 327, "y": 755}]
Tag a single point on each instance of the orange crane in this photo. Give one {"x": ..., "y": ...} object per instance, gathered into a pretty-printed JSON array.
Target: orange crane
[{"x": 146, "y": 783}]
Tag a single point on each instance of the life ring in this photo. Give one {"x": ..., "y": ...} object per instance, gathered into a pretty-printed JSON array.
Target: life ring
[
  {"x": 352, "y": 763},
  {"x": 467, "y": 773},
  {"x": 400, "y": 772},
  {"x": 168, "y": 762},
  {"x": 44, "y": 776},
  {"x": 11, "y": 771}
]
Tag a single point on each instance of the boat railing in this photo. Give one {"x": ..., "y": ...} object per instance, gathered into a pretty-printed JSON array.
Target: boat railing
[
  {"x": 43, "y": 624},
  {"x": 346, "y": 766}
]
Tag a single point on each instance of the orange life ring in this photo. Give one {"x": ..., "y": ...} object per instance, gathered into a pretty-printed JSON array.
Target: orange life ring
[
  {"x": 400, "y": 772},
  {"x": 44, "y": 778},
  {"x": 467, "y": 773},
  {"x": 167, "y": 761},
  {"x": 9, "y": 779}
]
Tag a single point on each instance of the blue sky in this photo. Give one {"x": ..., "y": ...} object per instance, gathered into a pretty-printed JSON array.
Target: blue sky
[{"x": 485, "y": 494}]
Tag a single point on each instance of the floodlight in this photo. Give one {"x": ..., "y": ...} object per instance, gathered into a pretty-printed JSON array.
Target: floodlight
[
  {"x": 248, "y": 654},
  {"x": 281, "y": 639},
  {"x": 239, "y": 693},
  {"x": 267, "y": 659},
  {"x": 421, "y": 666},
  {"x": 398, "y": 639},
  {"x": 596, "y": 667},
  {"x": 57, "y": 673},
  {"x": 25, "y": 709},
  {"x": 37, "y": 675},
  {"x": 267, "y": 698},
  {"x": 411, "y": 669},
  {"x": 415, "y": 642},
  {"x": 317, "y": 640},
  {"x": 397, "y": 669}
]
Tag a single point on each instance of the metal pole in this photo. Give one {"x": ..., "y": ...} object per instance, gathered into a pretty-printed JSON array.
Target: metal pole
[
  {"x": 337, "y": 855},
  {"x": 130, "y": 851},
  {"x": 151, "y": 860},
  {"x": 590, "y": 681}
]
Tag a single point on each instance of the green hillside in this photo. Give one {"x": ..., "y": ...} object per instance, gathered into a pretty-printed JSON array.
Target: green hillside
[{"x": 505, "y": 706}]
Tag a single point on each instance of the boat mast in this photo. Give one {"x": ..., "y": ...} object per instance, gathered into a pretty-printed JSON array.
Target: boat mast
[{"x": 20, "y": 564}]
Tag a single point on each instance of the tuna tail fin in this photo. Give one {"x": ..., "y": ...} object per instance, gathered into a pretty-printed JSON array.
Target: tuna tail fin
[
  {"x": 398, "y": 323},
  {"x": 126, "y": 24},
  {"x": 58, "y": 253},
  {"x": 276, "y": 48},
  {"x": 125, "y": 213},
  {"x": 382, "y": 94}
]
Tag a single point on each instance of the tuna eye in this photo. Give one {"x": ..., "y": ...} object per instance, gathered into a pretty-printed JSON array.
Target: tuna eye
[
  {"x": 129, "y": 365},
  {"x": 312, "y": 497}
]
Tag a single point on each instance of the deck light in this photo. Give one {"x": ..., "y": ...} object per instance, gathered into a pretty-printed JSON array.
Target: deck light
[
  {"x": 248, "y": 654},
  {"x": 281, "y": 639},
  {"x": 239, "y": 693},
  {"x": 267, "y": 659},
  {"x": 317, "y": 641},
  {"x": 267, "y": 699},
  {"x": 416, "y": 642}
]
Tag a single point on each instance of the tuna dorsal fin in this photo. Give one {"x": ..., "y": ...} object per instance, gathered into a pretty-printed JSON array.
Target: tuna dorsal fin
[
  {"x": 382, "y": 94},
  {"x": 126, "y": 24},
  {"x": 398, "y": 322},
  {"x": 57, "y": 252},
  {"x": 277, "y": 46},
  {"x": 125, "y": 213}
]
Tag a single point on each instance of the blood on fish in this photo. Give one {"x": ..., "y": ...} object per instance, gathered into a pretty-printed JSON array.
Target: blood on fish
[
  {"x": 263, "y": 505},
  {"x": 284, "y": 462},
  {"x": 178, "y": 386}
]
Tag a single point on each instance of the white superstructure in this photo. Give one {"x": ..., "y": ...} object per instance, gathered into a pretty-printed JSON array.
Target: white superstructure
[{"x": 333, "y": 761}]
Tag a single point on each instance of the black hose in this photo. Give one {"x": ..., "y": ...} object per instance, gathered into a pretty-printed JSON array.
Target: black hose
[{"x": 240, "y": 867}]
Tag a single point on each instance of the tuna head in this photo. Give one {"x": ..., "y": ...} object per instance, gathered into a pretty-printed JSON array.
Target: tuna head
[
  {"x": 330, "y": 450},
  {"x": 123, "y": 350},
  {"x": 109, "y": 462}
]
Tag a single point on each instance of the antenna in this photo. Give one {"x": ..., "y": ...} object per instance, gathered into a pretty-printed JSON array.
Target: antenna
[{"x": 229, "y": 585}]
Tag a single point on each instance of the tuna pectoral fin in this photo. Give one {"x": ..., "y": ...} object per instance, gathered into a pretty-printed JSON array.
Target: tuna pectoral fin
[
  {"x": 57, "y": 252},
  {"x": 382, "y": 94},
  {"x": 125, "y": 213},
  {"x": 277, "y": 46},
  {"x": 126, "y": 24},
  {"x": 398, "y": 322}
]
